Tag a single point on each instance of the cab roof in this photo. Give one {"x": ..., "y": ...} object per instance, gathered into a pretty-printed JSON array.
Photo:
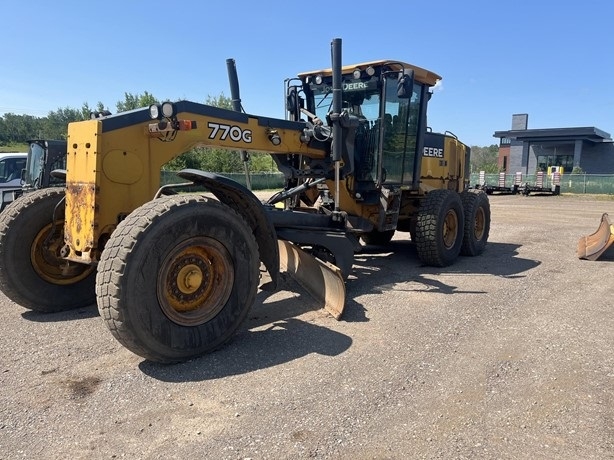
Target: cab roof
[{"x": 420, "y": 74}]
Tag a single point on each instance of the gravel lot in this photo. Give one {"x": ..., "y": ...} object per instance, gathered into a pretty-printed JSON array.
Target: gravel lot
[{"x": 507, "y": 355}]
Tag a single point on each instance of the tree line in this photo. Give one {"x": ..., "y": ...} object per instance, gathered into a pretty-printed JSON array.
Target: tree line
[
  {"x": 19, "y": 129},
  {"x": 485, "y": 159}
]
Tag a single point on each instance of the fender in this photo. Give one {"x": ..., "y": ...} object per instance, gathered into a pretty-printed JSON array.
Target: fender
[{"x": 243, "y": 201}]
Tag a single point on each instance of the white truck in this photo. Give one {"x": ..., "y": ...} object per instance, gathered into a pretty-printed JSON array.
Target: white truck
[{"x": 11, "y": 167}]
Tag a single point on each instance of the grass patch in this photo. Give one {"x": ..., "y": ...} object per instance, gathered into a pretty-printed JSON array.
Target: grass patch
[{"x": 13, "y": 148}]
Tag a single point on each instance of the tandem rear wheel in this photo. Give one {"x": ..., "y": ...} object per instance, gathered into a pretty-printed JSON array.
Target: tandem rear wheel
[
  {"x": 477, "y": 222},
  {"x": 440, "y": 228}
]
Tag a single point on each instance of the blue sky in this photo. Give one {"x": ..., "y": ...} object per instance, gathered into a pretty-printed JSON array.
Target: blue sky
[{"x": 552, "y": 60}]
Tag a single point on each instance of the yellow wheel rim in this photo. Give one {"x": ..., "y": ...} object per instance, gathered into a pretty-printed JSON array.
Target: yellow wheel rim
[
  {"x": 450, "y": 229},
  {"x": 195, "y": 281},
  {"x": 479, "y": 224},
  {"x": 47, "y": 262}
]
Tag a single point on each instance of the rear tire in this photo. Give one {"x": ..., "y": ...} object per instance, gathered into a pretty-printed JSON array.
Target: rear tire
[
  {"x": 32, "y": 273},
  {"x": 439, "y": 228},
  {"x": 477, "y": 222},
  {"x": 177, "y": 277}
]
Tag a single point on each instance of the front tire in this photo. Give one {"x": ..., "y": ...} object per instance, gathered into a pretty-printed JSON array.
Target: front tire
[
  {"x": 477, "y": 222},
  {"x": 177, "y": 277},
  {"x": 439, "y": 228},
  {"x": 32, "y": 272}
]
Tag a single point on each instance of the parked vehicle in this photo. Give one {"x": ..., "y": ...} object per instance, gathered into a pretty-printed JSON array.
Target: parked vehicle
[
  {"x": 175, "y": 274},
  {"x": 11, "y": 167}
]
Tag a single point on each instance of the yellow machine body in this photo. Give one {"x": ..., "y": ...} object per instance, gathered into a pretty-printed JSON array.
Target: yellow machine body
[
  {"x": 112, "y": 172},
  {"x": 176, "y": 273},
  {"x": 445, "y": 163}
]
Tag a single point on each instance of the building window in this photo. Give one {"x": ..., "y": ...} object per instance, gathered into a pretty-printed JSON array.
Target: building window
[
  {"x": 545, "y": 161},
  {"x": 505, "y": 141}
]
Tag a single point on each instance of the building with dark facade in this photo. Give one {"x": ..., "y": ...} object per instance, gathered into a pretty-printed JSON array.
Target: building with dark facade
[{"x": 589, "y": 150}]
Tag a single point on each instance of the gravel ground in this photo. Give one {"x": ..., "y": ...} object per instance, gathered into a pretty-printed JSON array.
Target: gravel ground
[{"x": 507, "y": 355}]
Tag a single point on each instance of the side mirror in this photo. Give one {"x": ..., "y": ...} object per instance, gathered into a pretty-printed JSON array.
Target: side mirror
[
  {"x": 59, "y": 174},
  {"x": 293, "y": 104},
  {"x": 405, "y": 86},
  {"x": 291, "y": 101}
]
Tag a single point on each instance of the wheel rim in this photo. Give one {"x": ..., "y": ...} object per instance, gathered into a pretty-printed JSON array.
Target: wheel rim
[
  {"x": 479, "y": 224},
  {"x": 450, "y": 229},
  {"x": 195, "y": 281},
  {"x": 46, "y": 259}
]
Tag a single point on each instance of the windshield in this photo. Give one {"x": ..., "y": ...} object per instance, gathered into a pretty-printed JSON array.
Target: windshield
[
  {"x": 10, "y": 170},
  {"x": 400, "y": 136},
  {"x": 398, "y": 127},
  {"x": 360, "y": 98},
  {"x": 34, "y": 166}
]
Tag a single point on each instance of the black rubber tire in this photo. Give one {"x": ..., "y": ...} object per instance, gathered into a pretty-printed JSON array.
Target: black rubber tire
[
  {"x": 24, "y": 263},
  {"x": 140, "y": 263},
  {"x": 377, "y": 238},
  {"x": 476, "y": 207},
  {"x": 440, "y": 228}
]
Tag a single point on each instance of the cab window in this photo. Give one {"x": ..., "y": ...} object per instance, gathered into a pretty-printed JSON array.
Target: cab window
[{"x": 10, "y": 169}]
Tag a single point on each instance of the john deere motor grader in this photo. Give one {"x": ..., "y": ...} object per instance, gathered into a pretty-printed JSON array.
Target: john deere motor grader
[{"x": 175, "y": 274}]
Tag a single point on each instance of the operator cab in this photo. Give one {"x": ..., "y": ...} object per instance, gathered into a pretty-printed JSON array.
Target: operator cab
[
  {"x": 389, "y": 100},
  {"x": 44, "y": 156},
  {"x": 11, "y": 166}
]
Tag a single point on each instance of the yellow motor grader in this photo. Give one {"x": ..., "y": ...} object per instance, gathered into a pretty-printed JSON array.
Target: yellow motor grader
[{"x": 175, "y": 269}]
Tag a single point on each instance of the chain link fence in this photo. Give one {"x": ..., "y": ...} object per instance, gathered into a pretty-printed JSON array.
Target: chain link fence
[
  {"x": 259, "y": 181},
  {"x": 602, "y": 184}
]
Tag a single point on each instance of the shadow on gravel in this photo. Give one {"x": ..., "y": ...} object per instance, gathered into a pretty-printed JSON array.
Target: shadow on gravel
[
  {"x": 381, "y": 269},
  {"x": 274, "y": 335},
  {"x": 270, "y": 337},
  {"x": 68, "y": 315}
]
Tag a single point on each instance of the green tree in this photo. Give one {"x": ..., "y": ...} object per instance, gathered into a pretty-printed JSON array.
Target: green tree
[
  {"x": 221, "y": 101},
  {"x": 86, "y": 111},
  {"x": 485, "y": 159},
  {"x": 220, "y": 160},
  {"x": 55, "y": 124},
  {"x": 18, "y": 128},
  {"x": 261, "y": 162},
  {"x": 136, "y": 101}
]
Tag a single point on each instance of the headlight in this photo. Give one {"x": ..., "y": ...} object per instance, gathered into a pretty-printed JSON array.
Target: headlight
[
  {"x": 168, "y": 110},
  {"x": 154, "y": 111}
]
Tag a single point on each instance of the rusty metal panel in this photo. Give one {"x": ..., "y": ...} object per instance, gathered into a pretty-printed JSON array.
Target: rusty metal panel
[{"x": 81, "y": 186}]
